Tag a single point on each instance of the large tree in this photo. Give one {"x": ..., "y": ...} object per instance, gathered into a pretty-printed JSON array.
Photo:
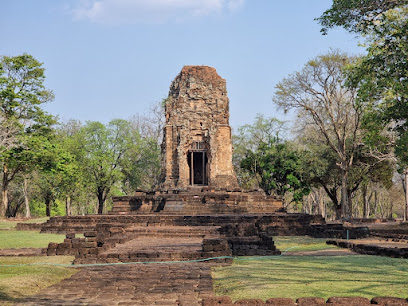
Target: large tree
[
  {"x": 101, "y": 150},
  {"x": 278, "y": 168},
  {"x": 381, "y": 75},
  {"x": 248, "y": 138},
  {"x": 320, "y": 164},
  {"x": 21, "y": 94},
  {"x": 318, "y": 93}
]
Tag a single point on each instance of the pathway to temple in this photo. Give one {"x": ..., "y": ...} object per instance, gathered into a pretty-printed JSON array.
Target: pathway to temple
[{"x": 135, "y": 284}]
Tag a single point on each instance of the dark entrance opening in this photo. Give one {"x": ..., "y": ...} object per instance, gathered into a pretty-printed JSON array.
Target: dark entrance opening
[{"x": 197, "y": 161}]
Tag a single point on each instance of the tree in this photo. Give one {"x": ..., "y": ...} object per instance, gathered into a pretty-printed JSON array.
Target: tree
[
  {"x": 381, "y": 75},
  {"x": 8, "y": 135},
  {"x": 278, "y": 168},
  {"x": 100, "y": 154},
  {"x": 319, "y": 95},
  {"x": 21, "y": 94},
  {"x": 142, "y": 164},
  {"x": 320, "y": 164},
  {"x": 248, "y": 138},
  {"x": 359, "y": 16}
]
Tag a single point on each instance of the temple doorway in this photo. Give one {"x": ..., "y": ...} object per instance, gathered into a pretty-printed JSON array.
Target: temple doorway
[{"x": 198, "y": 163}]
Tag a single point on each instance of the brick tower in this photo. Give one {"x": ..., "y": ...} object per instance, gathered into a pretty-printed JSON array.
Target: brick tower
[{"x": 196, "y": 148}]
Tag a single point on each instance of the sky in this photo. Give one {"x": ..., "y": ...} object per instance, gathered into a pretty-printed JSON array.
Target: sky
[{"x": 109, "y": 59}]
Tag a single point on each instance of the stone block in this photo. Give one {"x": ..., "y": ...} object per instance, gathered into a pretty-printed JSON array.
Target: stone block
[
  {"x": 90, "y": 234},
  {"x": 51, "y": 252},
  {"x": 64, "y": 245},
  {"x": 308, "y": 301},
  {"x": 88, "y": 244},
  {"x": 280, "y": 302},
  {"x": 348, "y": 301},
  {"x": 252, "y": 302},
  {"x": 388, "y": 301},
  {"x": 52, "y": 245},
  {"x": 217, "y": 300},
  {"x": 208, "y": 248},
  {"x": 63, "y": 252}
]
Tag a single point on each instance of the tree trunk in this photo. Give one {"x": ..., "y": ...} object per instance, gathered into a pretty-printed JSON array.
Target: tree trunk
[
  {"x": 322, "y": 204},
  {"x": 68, "y": 205},
  {"x": 375, "y": 203},
  {"x": 48, "y": 204},
  {"x": 4, "y": 191},
  {"x": 101, "y": 200},
  {"x": 26, "y": 199},
  {"x": 332, "y": 193},
  {"x": 406, "y": 195},
  {"x": 345, "y": 209},
  {"x": 350, "y": 204}
]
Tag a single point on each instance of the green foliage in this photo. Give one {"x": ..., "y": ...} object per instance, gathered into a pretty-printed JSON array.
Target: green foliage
[
  {"x": 381, "y": 76},
  {"x": 21, "y": 94},
  {"x": 248, "y": 138},
  {"x": 278, "y": 167},
  {"x": 358, "y": 16},
  {"x": 21, "y": 88}
]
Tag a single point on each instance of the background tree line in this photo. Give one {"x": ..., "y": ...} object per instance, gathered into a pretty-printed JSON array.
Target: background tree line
[
  {"x": 346, "y": 157},
  {"x": 50, "y": 167}
]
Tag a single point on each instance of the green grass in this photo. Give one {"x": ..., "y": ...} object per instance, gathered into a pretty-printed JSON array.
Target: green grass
[
  {"x": 317, "y": 276},
  {"x": 27, "y": 239},
  {"x": 10, "y": 224},
  {"x": 301, "y": 243},
  {"x": 23, "y": 281},
  {"x": 5, "y": 224},
  {"x": 11, "y": 238},
  {"x": 35, "y": 220},
  {"x": 313, "y": 276}
]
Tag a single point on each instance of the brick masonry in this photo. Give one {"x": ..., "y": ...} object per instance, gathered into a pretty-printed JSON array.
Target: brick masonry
[{"x": 197, "y": 172}]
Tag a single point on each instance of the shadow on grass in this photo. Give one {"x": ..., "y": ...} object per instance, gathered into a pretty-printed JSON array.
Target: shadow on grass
[{"x": 4, "y": 297}]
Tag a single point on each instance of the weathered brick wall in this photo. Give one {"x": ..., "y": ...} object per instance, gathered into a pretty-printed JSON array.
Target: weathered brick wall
[
  {"x": 197, "y": 110},
  {"x": 28, "y": 226}
]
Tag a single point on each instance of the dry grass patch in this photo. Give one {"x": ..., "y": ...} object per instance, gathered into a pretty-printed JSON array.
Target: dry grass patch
[{"x": 22, "y": 281}]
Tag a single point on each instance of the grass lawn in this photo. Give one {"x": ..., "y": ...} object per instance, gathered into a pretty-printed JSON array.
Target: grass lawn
[
  {"x": 293, "y": 244},
  {"x": 312, "y": 276},
  {"x": 23, "y": 281},
  {"x": 10, "y": 224},
  {"x": 11, "y": 238},
  {"x": 27, "y": 239}
]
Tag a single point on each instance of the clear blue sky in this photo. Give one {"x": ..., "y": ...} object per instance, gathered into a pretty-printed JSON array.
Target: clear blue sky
[{"x": 108, "y": 59}]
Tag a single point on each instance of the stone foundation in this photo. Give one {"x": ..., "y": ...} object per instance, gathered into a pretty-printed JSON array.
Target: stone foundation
[
  {"x": 368, "y": 248},
  {"x": 195, "y": 201}
]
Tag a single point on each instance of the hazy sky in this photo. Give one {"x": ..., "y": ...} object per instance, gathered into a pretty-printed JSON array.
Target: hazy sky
[{"x": 114, "y": 58}]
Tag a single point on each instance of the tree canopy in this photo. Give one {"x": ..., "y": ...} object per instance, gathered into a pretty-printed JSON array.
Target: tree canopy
[{"x": 21, "y": 93}]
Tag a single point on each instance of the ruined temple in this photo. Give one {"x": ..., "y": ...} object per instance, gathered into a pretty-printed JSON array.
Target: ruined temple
[
  {"x": 197, "y": 149},
  {"x": 197, "y": 172}
]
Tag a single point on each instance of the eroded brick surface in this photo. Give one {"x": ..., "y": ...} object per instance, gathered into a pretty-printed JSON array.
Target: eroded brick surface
[{"x": 137, "y": 284}]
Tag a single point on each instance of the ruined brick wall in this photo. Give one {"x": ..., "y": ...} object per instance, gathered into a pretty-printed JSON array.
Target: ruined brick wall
[{"x": 197, "y": 111}]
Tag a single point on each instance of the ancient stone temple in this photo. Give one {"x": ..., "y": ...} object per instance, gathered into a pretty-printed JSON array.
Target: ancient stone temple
[
  {"x": 197, "y": 172},
  {"x": 197, "y": 149}
]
